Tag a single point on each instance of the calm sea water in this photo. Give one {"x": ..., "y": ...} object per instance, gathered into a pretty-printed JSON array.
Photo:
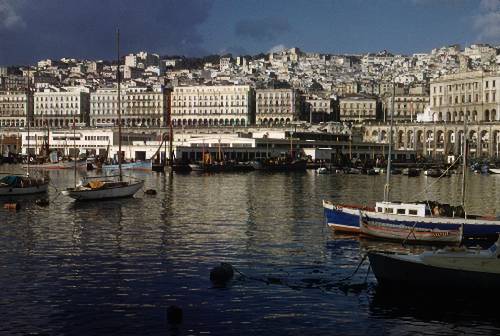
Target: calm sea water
[{"x": 114, "y": 267}]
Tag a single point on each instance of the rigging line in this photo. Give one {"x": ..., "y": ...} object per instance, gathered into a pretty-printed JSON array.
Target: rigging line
[{"x": 443, "y": 174}]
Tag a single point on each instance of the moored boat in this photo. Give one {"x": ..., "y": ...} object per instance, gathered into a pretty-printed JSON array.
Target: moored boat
[
  {"x": 378, "y": 228},
  {"x": 445, "y": 268},
  {"x": 22, "y": 185},
  {"x": 137, "y": 165},
  {"x": 103, "y": 189}
]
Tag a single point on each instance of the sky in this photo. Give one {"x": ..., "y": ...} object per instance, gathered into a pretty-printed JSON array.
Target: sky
[{"x": 31, "y": 30}]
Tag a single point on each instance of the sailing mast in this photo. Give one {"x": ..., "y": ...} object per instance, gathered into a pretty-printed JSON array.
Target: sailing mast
[
  {"x": 119, "y": 107},
  {"x": 464, "y": 165},
  {"x": 387, "y": 187},
  {"x": 28, "y": 119}
]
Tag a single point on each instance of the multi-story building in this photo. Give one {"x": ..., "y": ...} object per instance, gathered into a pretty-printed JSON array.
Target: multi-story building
[
  {"x": 13, "y": 82},
  {"x": 140, "y": 106},
  {"x": 320, "y": 109},
  {"x": 61, "y": 108},
  {"x": 222, "y": 105},
  {"x": 406, "y": 106},
  {"x": 471, "y": 93},
  {"x": 359, "y": 108},
  {"x": 277, "y": 106},
  {"x": 15, "y": 108}
]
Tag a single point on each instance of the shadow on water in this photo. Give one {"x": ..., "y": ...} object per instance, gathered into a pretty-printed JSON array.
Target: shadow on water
[{"x": 450, "y": 308}]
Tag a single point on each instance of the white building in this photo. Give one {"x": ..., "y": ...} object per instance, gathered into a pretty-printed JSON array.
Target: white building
[
  {"x": 222, "y": 105},
  {"x": 15, "y": 108},
  {"x": 140, "y": 106},
  {"x": 276, "y": 106},
  {"x": 60, "y": 108}
]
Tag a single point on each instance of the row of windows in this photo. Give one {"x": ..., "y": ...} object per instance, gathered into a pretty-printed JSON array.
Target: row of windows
[
  {"x": 126, "y": 112},
  {"x": 97, "y": 137},
  {"x": 465, "y": 99},
  {"x": 222, "y": 97},
  {"x": 133, "y": 104},
  {"x": 113, "y": 97},
  {"x": 6, "y": 106},
  {"x": 179, "y": 104},
  {"x": 214, "y": 90},
  {"x": 273, "y": 95},
  {"x": 221, "y": 111},
  {"x": 12, "y": 98},
  {"x": 463, "y": 86},
  {"x": 56, "y": 105},
  {"x": 57, "y": 98},
  {"x": 357, "y": 105}
]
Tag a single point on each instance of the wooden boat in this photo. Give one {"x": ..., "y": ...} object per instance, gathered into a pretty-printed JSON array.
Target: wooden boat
[
  {"x": 446, "y": 268},
  {"x": 11, "y": 185},
  {"x": 103, "y": 189},
  {"x": 408, "y": 233}
]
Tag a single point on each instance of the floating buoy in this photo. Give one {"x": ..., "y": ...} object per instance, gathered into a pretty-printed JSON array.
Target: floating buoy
[
  {"x": 42, "y": 202},
  {"x": 221, "y": 274},
  {"x": 12, "y": 206},
  {"x": 150, "y": 192},
  {"x": 174, "y": 315}
]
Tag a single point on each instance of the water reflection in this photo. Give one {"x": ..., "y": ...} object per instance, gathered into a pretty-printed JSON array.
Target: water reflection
[{"x": 114, "y": 266}]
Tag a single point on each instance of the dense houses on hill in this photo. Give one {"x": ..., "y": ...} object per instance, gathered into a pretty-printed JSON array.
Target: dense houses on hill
[{"x": 268, "y": 89}]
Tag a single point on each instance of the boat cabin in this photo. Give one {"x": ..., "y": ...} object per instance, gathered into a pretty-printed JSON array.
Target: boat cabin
[{"x": 403, "y": 209}]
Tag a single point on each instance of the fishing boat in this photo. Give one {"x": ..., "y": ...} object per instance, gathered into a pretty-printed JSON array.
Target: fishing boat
[
  {"x": 414, "y": 216},
  {"x": 377, "y": 228},
  {"x": 25, "y": 184},
  {"x": 322, "y": 170},
  {"x": 433, "y": 172},
  {"x": 448, "y": 268},
  {"x": 106, "y": 187}
]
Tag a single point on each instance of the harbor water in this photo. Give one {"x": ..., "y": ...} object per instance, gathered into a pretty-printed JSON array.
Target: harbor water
[{"x": 114, "y": 267}]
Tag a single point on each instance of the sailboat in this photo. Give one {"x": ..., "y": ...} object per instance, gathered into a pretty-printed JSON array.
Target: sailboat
[
  {"x": 409, "y": 218},
  {"x": 107, "y": 187},
  {"x": 24, "y": 184}
]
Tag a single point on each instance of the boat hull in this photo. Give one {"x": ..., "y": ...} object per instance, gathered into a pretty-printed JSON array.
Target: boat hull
[
  {"x": 397, "y": 272},
  {"x": 139, "y": 165},
  {"x": 340, "y": 218},
  {"x": 103, "y": 194},
  {"x": 16, "y": 191},
  {"x": 405, "y": 233},
  {"x": 57, "y": 166},
  {"x": 346, "y": 218},
  {"x": 494, "y": 170}
]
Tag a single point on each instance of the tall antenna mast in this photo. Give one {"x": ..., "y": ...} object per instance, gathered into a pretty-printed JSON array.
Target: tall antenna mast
[
  {"x": 118, "y": 77},
  {"x": 28, "y": 89}
]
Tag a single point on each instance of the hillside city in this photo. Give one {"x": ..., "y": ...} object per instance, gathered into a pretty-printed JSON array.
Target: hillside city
[{"x": 341, "y": 94}]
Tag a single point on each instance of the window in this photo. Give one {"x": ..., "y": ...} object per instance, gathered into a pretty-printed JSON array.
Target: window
[
  {"x": 389, "y": 210},
  {"x": 379, "y": 209},
  {"x": 401, "y": 211},
  {"x": 412, "y": 212}
]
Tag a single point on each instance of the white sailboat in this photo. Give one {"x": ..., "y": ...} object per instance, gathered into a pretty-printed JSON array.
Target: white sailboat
[
  {"x": 23, "y": 184},
  {"x": 107, "y": 187}
]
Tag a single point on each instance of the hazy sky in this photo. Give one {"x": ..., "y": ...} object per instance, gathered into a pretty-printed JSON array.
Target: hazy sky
[{"x": 31, "y": 30}]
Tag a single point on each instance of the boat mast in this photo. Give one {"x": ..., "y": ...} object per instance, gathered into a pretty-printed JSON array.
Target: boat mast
[
  {"x": 464, "y": 165},
  {"x": 28, "y": 119},
  {"x": 74, "y": 146},
  {"x": 119, "y": 107},
  {"x": 170, "y": 140},
  {"x": 387, "y": 187}
]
